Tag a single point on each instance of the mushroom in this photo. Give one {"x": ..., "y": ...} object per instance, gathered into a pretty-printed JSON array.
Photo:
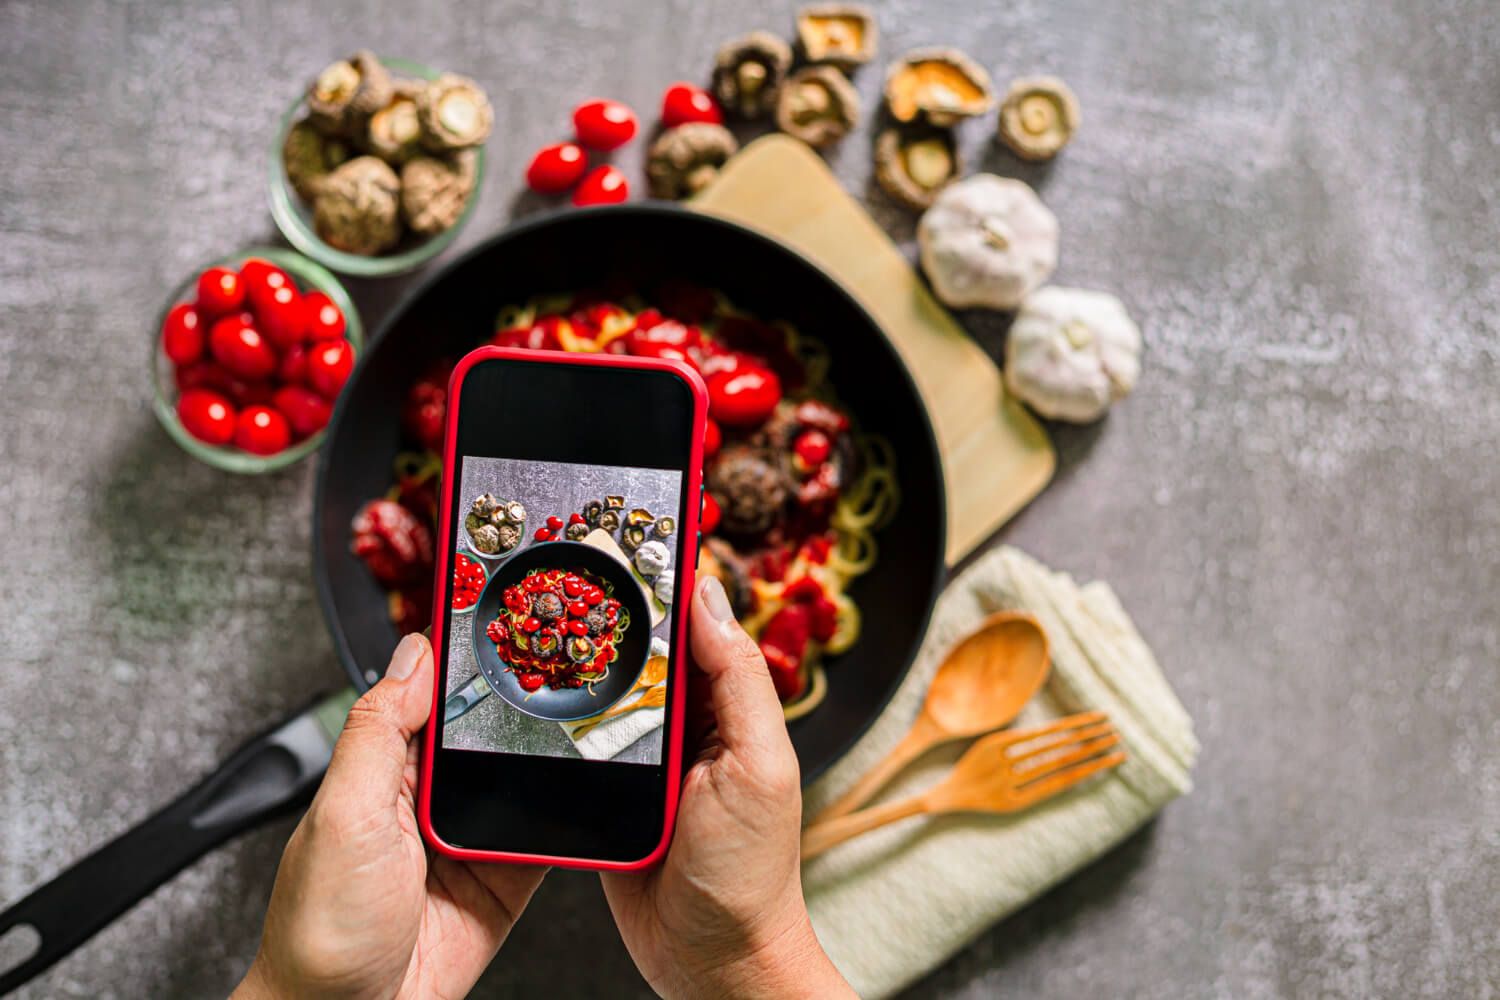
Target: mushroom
[
  {"x": 987, "y": 241},
  {"x": 308, "y": 155},
  {"x": 942, "y": 85},
  {"x": 914, "y": 167},
  {"x": 343, "y": 97},
  {"x": 748, "y": 71},
  {"x": 844, "y": 35},
  {"x": 817, "y": 105},
  {"x": 684, "y": 159},
  {"x": 435, "y": 191},
  {"x": 1038, "y": 117},
  {"x": 357, "y": 209},
  {"x": 394, "y": 131},
  {"x": 1071, "y": 353},
  {"x": 454, "y": 113},
  {"x": 750, "y": 488}
]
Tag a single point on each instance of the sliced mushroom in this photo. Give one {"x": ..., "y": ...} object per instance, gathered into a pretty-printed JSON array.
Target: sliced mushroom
[
  {"x": 914, "y": 167},
  {"x": 1038, "y": 117},
  {"x": 684, "y": 159},
  {"x": 344, "y": 96},
  {"x": 454, "y": 112},
  {"x": 841, "y": 34},
  {"x": 943, "y": 86},
  {"x": 817, "y": 105},
  {"x": 748, "y": 71}
]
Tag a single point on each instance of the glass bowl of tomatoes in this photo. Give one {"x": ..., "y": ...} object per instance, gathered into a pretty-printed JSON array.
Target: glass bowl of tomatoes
[
  {"x": 249, "y": 357},
  {"x": 294, "y": 216}
]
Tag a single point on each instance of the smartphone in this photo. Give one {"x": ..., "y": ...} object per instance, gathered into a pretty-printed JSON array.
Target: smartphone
[{"x": 566, "y": 549}]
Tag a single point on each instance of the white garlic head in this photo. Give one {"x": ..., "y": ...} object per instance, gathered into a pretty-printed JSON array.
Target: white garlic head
[
  {"x": 1071, "y": 353},
  {"x": 987, "y": 241}
]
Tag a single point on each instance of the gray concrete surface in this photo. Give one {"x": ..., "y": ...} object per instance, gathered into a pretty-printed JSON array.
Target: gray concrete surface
[{"x": 1299, "y": 505}]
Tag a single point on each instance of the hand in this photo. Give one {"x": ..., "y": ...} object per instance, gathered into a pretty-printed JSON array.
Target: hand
[
  {"x": 723, "y": 915},
  {"x": 358, "y": 910}
]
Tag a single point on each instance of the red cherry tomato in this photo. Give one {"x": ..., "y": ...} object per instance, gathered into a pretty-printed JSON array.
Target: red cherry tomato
[
  {"x": 713, "y": 438},
  {"x": 554, "y": 523},
  {"x": 604, "y": 124},
  {"x": 239, "y": 347},
  {"x": 220, "y": 291},
  {"x": 182, "y": 334},
  {"x": 812, "y": 448},
  {"x": 293, "y": 367},
  {"x": 708, "y": 520},
  {"x": 254, "y": 270},
  {"x": 206, "y": 415},
  {"x": 325, "y": 321},
  {"x": 684, "y": 103},
  {"x": 542, "y": 535},
  {"x": 573, "y": 518},
  {"x": 328, "y": 366},
  {"x": 281, "y": 314},
  {"x": 202, "y": 374},
  {"x": 745, "y": 397},
  {"x": 556, "y": 168},
  {"x": 304, "y": 409},
  {"x": 578, "y": 627},
  {"x": 262, "y": 430},
  {"x": 243, "y": 392},
  {"x": 578, "y": 609},
  {"x": 262, "y": 280},
  {"x": 603, "y": 186}
]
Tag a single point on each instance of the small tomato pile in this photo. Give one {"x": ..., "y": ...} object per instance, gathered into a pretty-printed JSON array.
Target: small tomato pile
[
  {"x": 256, "y": 360},
  {"x": 468, "y": 582}
]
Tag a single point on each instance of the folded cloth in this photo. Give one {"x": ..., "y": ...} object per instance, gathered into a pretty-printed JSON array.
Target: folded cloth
[
  {"x": 609, "y": 738},
  {"x": 897, "y": 902}
]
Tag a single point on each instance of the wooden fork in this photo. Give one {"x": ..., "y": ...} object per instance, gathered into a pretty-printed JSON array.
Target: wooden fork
[{"x": 1001, "y": 773}]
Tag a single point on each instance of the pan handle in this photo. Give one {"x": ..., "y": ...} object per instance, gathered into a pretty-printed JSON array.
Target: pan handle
[
  {"x": 466, "y": 698},
  {"x": 272, "y": 773}
]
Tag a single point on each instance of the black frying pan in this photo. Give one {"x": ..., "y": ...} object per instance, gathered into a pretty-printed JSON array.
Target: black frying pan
[{"x": 448, "y": 314}]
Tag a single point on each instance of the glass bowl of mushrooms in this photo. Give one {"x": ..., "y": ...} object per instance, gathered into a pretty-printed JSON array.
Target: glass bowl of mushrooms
[{"x": 377, "y": 165}]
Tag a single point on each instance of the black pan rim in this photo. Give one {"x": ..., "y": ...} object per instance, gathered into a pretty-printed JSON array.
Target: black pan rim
[{"x": 937, "y": 572}]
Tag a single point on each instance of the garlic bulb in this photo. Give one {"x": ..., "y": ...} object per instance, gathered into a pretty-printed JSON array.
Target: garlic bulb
[
  {"x": 987, "y": 241},
  {"x": 1071, "y": 353}
]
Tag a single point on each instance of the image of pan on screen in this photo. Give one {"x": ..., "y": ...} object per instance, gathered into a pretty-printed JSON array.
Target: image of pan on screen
[{"x": 532, "y": 654}]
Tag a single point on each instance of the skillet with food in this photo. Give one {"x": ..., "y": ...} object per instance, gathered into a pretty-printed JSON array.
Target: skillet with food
[{"x": 623, "y": 248}]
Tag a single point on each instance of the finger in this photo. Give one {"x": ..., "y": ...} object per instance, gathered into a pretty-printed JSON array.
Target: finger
[
  {"x": 740, "y": 693},
  {"x": 371, "y": 752}
]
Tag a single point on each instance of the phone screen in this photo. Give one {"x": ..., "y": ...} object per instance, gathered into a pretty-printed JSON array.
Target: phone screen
[{"x": 558, "y": 653}]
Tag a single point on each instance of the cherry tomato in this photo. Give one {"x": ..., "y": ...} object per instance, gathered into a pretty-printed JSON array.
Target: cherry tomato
[
  {"x": 708, "y": 520},
  {"x": 202, "y": 374},
  {"x": 262, "y": 430},
  {"x": 182, "y": 334},
  {"x": 574, "y": 518},
  {"x": 293, "y": 367},
  {"x": 574, "y": 587},
  {"x": 556, "y": 168},
  {"x": 743, "y": 398},
  {"x": 243, "y": 392},
  {"x": 304, "y": 409},
  {"x": 812, "y": 448},
  {"x": 684, "y": 103},
  {"x": 262, "y": 282},
  {"x": 531, "y": 624},
  {"x": 328, "y": 366},
  {"x": 206, "y": 415},
  {"x": 220, "y": 291},
  {"x": 578, "y": 627},
  {"x": 239, "y": 347},
  {"x": 578, "y": 609},
  {"x": 603, "y": 186},
  {"x": 281, "y": 314},
  {"x": 604, "y": 124},
  {"x": 554, "y": 523},
  {"x": 713, "y": 438},
  {"x": 325, "y": 321},
  {"x": 254, "y": 270}
]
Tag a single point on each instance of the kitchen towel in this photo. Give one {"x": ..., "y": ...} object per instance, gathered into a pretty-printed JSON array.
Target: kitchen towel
[
  {"x": 609, "y": 738},
  {"x": 894, "y": 904}
]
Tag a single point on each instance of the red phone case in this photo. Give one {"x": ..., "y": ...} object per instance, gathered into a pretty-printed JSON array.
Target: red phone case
[{"x": 677, "y": 681}]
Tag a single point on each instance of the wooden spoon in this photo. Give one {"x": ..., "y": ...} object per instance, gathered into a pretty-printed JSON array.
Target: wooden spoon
[
  {"x": 652, "y": 674},
  {"x": 983, "y": 684}
]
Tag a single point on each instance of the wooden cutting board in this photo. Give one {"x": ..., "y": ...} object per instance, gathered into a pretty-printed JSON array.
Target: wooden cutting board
[{"x": 996, "y": 457}]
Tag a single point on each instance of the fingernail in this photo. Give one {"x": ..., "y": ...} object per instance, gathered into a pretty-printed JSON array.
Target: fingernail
[
  {"x": 406, "y": 657},
  {"x": 711, "y": 592}
]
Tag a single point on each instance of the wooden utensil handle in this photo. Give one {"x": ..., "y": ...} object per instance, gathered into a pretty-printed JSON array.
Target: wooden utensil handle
[
  {"x": 923, "y": 736},
  {"x": 821, "y": 836}
]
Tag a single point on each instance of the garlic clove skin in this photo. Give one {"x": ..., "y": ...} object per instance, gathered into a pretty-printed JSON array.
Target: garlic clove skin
[
  {"x": 987, "y": 241},
  {"x": 1071, "y": 353}
]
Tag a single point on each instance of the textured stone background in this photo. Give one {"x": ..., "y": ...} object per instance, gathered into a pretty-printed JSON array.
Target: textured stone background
[
  {"x": 547, "y": 488},
  {"x": 1300, "y": 505}
]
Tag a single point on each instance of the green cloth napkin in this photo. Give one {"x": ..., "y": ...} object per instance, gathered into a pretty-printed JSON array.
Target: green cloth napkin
[{"x": 897, "y": 902}]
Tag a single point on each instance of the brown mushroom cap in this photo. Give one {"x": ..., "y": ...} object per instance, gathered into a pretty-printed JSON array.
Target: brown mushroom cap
[
  {"x": 941, "y": 85},
  {"x": 357, "y": 207},
  {"x": 308, "y": 155},
  {"x": 748, "y": 71},
  {"x": 344, "y": 95},
  {"x": 394, "y": 131},
  {"x": 818, "y": 105},
  {"x": 1038, "y": 117},
  {"x": 684, "y": 159},
  {"x": 913, "y": 167},
  {"x": 454, "y": 112},
  {"x": 434, "y": 192},
  {"x": 840, "y": 34}
]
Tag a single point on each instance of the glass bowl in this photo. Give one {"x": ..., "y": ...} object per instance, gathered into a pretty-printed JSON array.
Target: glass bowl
[
  {"x": 308, "y": 275},
  {"x": 294, "y": 217}
]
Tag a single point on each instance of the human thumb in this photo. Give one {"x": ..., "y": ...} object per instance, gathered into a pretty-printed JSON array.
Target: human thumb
[
  {"x": 371, "y": 751},
  {"x": 740, "y": 693}
]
